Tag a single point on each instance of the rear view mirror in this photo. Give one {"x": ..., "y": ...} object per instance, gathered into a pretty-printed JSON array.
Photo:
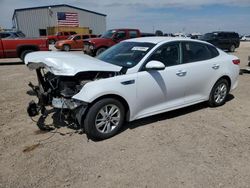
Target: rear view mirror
[{"x": 155, "y": 65}]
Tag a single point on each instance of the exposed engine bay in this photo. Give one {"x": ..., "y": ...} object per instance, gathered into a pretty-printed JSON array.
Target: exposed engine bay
[
  {"x": 57, "y": 91},
  {"x": 61, "y": 76}
]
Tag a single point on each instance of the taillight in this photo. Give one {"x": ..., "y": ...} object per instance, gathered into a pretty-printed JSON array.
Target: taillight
[{"x": 236, "y": 61}]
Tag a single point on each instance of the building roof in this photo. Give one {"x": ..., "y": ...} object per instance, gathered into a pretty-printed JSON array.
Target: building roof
[{"x": 54, "y": 6}]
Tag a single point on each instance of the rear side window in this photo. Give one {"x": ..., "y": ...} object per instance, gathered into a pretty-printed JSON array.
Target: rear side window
[
  {"x": 85, "y": 37},
  {"x": 193, "y": 51},
  {"x": 213, "y": 51},
  {"x": 132, "y": 34},
  {"x": 72, "y": 33},
  {"x": 235, "y": 35}
]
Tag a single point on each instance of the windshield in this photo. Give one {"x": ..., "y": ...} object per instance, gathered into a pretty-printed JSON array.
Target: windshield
[
  {"x": 126, "y": 54},
  {"x": 70, "y": 37},
  {"x": 20, "y": 34},
  {"x": 108, "y": 34}
]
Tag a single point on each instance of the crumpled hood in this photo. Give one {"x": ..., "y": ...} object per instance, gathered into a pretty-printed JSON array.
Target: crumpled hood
[{"x": 66, "y": 63}]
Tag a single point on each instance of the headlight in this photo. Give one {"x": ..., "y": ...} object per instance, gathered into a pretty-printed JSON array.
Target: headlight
[{"x": 91, "y": 47}]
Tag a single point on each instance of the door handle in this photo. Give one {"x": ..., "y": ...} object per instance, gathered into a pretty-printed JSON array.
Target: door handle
[
  {"x": 216, "y": 66},
  {"x": 181, "y": 73}
]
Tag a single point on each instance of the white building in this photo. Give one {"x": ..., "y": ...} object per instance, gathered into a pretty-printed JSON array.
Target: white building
[{"x": 34, "y": 22}]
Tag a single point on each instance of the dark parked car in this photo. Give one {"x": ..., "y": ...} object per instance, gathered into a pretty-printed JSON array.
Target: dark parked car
[
  {"x": 147, "y": 34},
  {"x": 224, "y": 40}
]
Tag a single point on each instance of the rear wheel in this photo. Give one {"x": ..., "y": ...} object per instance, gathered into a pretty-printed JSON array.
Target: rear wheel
[
  {"x": 66, "y": 47},
  {"x": 24, "y": 53},
  {"x": 104, "y": 119},
  {"x": 219, "y": 93},
  {"x": 232, "y": 48}
]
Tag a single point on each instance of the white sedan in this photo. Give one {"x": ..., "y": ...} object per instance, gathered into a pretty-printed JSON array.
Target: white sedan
[
  {"x": 245, "y": 38},
  {"x": 134, "y": 79}
]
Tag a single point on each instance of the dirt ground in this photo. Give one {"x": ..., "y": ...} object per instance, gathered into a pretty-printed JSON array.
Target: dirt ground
[{"x": 196, "y": 146}]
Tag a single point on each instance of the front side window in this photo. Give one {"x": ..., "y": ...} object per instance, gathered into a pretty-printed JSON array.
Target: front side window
[
  {"x": 168, "y": 54},
  {"x": 120, "y": 35},
  {"x": 77, "y": 37},
  {"x": 126, "y": 54},
  {"x": 208, "y": 36},
  {"x": 108, "y": 34},
  {"x": 193, "y": 51}
]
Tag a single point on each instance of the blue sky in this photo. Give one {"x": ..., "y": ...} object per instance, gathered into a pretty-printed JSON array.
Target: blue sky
[{"x": 150, "y": 15}]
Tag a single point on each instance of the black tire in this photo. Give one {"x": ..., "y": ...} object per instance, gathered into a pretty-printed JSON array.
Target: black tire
[
  {"x": 215, "y": 101},
  {"x": 66, "y": 47},
  {"x": 52, "y": 41},
  {"x": 100, "y": 50},
  {"x": 90, "y": 122},
  {"x": 24, "y": 53},
  {"x": 232, "y": 48}
]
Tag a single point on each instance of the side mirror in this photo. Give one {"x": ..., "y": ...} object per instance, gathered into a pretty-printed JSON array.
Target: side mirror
[{"x": 155, "y": 65}]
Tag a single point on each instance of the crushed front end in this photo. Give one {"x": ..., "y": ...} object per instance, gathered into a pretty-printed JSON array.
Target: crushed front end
[{"x": 57, "y": 92}]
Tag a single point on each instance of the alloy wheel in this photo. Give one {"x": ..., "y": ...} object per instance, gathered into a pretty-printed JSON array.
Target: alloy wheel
[
  {"x": 220, "y": 93},
  {"x": 108, "y": 118}
]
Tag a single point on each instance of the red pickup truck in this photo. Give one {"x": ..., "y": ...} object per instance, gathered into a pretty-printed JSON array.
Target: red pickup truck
[
  {"x": 95, "y": 46},
  {"x": 19, "y": 47},
  {"x": 62, "y": 35}
]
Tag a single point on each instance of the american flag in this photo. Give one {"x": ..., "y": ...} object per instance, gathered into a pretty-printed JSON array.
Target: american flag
[{"x": 67, "y": 19}]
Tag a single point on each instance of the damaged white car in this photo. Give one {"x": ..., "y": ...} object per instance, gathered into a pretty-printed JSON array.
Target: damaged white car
[{"x": 133, "y": 79}]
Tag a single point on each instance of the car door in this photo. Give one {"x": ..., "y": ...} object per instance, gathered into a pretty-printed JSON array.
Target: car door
[
  {"x": 202, "y": 69},
  {"x": 160, "y": 90},
  {"x": 77, "y": 42}
]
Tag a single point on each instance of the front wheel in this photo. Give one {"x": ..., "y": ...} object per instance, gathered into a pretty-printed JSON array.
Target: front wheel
[
  {"x": 52, "y": 41},
  {"x": 104, "y": 119},
  {"x": 66, "y": 47},
  {"x": 219, "y": 93},
  {"x": 24, "y": 53},
  {"x": 100, "y": 50}
]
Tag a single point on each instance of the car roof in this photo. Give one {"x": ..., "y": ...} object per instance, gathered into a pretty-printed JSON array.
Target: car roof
[{"x": 156, "y": 40}]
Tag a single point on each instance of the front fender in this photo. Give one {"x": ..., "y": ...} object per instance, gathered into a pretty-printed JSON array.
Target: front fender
[{"x": 123, "y": 86}]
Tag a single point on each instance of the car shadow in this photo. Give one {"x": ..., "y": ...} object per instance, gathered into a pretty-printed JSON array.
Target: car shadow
[
  {"x": 31, "y": 92},
  {"x": 11, "y": 63},
  {"x": 168, "y": 115}
]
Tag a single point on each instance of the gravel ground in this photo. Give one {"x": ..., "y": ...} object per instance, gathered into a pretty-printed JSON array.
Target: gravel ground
[{"x": 196, "y": 146}]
